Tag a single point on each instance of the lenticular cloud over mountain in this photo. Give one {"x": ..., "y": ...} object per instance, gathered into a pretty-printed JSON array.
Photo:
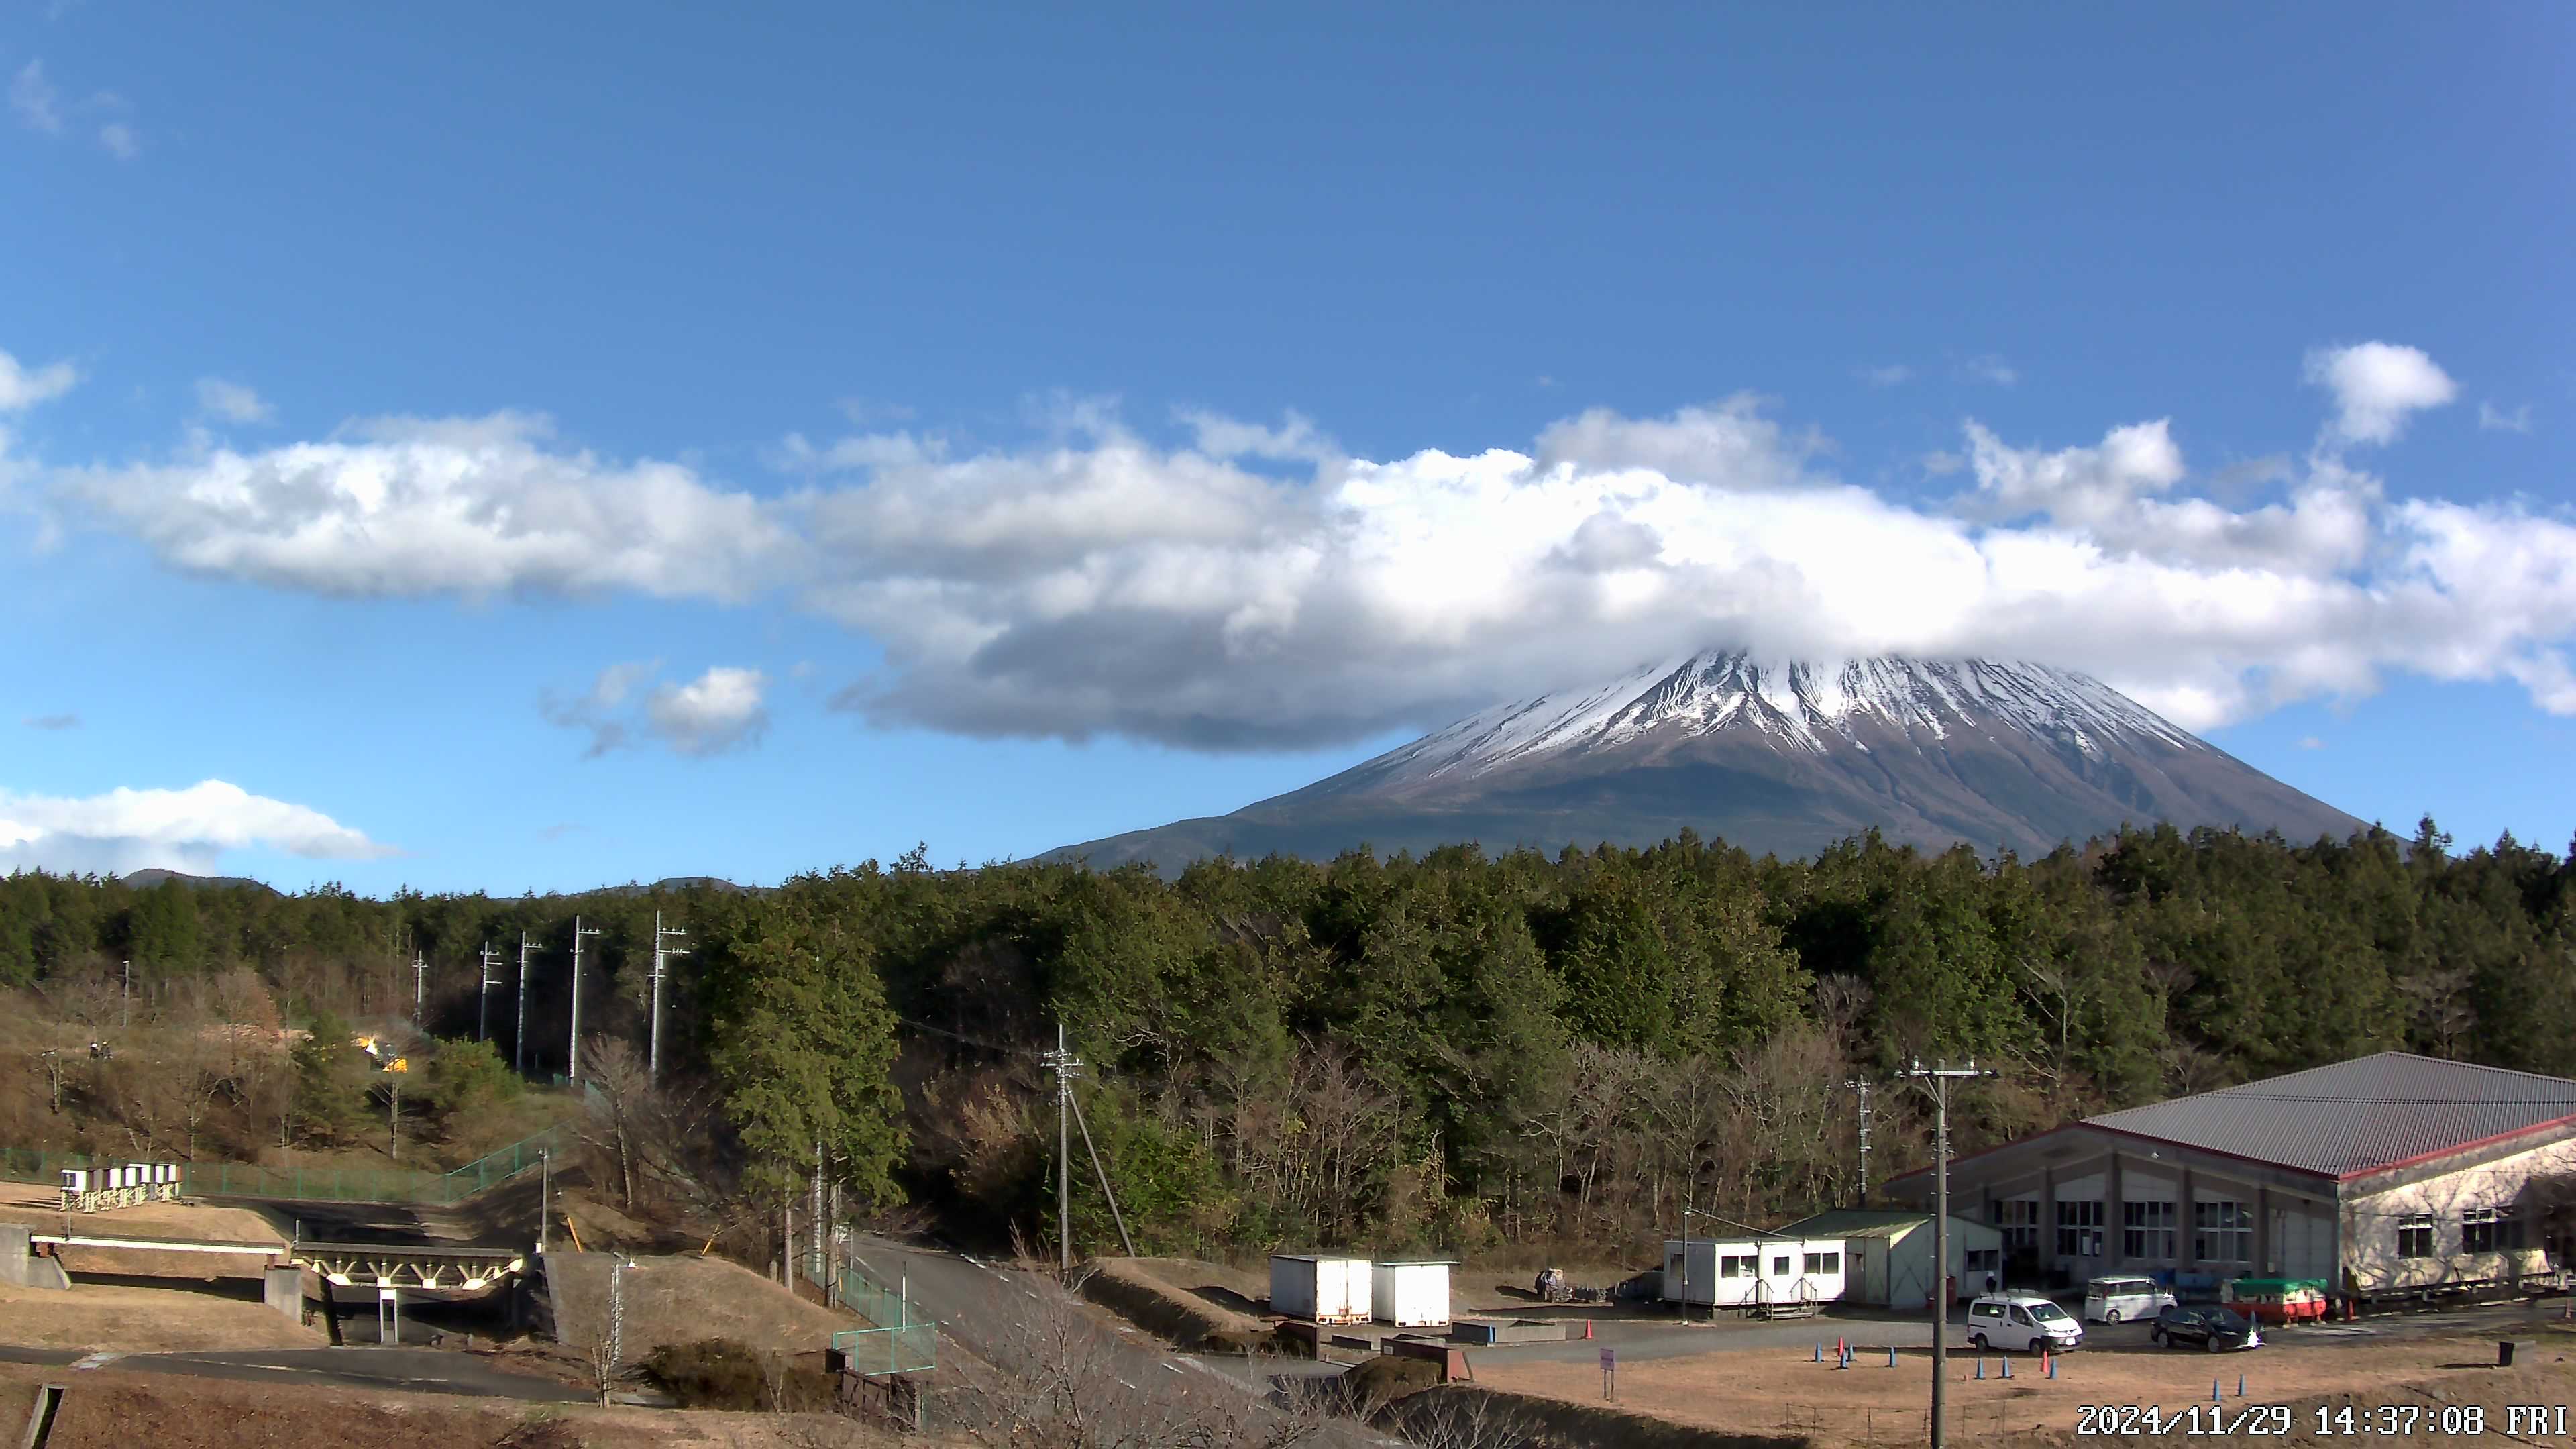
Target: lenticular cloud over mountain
[{"x": 1255, "y": 587}]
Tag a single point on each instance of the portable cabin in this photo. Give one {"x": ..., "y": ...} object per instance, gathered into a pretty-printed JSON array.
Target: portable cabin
[
  {"x": 1319, "y": 1289},
  {"x": 1888, "y": 1262},
  {"x": 1752, "y": 1272},
  {"x": 1412, "y": 1294}
]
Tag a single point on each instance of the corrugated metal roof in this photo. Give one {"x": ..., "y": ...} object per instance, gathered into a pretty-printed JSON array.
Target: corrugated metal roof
[
  {"x": 1867, "y": 1223},
  {"x": 2358, "y": 1116}
]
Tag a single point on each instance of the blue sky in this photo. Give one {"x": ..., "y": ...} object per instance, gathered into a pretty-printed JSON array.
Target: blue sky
[{"x": 525, "y": 448}]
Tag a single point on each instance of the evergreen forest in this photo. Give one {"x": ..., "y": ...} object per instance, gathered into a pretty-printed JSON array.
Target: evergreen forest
[{"x": 1453, "y": 1052}]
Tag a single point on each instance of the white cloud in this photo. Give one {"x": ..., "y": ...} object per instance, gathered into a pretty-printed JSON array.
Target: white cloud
[
  {"x": 1731, "y": 441},
  {"x": 1988, "y": 368},
  {"x": 38, "y": 104},
  {"x": 1888, "y": 376},
  {"x": 2375, "y": 386},
  {"x": 232, "y": 401},
  {"x": 1094, "y": 583},
  {"x": 720, "y": 710},
  {"x": 406, "y": 507},
  {"x": 1223, "y": 437},
  {"x": 186, "y": 830},
  {"x": 22, "y": 388},
  {"x": 2311, "y": 742},
  {"x": 120, "y": 140},
  {"x": 2494, "y": 419},
  {"x": 600, "y": 710},
  {"x": 53, "y": 722}
]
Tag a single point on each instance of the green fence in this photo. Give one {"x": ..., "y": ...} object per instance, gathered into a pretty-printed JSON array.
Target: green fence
[
  {"x": 911, "y": 1348},
  {"x": 314, "y": 1184},
  {"x": 904, "y": 1340}
]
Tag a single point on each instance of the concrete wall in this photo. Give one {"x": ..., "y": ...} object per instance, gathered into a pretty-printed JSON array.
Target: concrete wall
[
  {"x": 20, "y": 1269},
  {"x": 283, "y": 1289},
  {"x": 2441, "y": 1191}
]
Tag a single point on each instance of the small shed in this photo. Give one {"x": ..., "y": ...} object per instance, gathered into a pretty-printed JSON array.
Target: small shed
[
  {"x": 1769, "y": 1270},
  {"x": 1413, "y": 1294},
  {"x": 1889, "y": 1259},
  {"x": 1319, "y": 1289}
]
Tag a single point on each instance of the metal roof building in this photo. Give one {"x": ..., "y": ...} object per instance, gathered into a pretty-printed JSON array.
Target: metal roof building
[{"x": 2391, "y": 1174}]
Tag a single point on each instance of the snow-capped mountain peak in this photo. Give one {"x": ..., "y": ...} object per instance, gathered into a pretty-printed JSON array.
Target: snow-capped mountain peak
[{"x": 1797, "y": 705}]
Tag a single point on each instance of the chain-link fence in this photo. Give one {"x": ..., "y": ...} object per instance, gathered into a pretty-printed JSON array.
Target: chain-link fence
[{"x": 903, "y": 1339}]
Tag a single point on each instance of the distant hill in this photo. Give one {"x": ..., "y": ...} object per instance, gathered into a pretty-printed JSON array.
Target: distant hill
[
  {"x": 147, "y": 879},
  {"x": 1783, "y": 759}
]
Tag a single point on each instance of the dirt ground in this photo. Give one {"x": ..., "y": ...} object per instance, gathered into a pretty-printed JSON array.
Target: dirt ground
[
  {"x": 42, "y": 1208},
  {"x": 144, "y": 1320},
  {"x": 684, "y": 1298},
  {"x": 1781, "y": 1391},
  {"x": 110, "y": 1409}
]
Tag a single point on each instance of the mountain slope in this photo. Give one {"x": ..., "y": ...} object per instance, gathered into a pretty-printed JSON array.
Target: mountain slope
[{"x": 1776, "y": 757}]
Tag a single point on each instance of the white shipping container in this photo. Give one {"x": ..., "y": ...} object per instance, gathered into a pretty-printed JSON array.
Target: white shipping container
[
  {"x": 1410, "y": 1294},
  {"x": 1320, "y": 1290}
]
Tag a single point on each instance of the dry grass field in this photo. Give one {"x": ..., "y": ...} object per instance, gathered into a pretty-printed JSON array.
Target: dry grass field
[
  {"x": 144, "y": 1320},
  {"x": 109, "y": 1409}
]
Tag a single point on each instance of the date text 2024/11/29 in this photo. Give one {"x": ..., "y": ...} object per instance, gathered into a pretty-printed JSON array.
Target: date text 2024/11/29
[{"x": 2325, "y": 1420}]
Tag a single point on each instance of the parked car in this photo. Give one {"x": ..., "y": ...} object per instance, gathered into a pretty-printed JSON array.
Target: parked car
[
  {"x": 2021, "y": 1323},
  {"x": 2215, "y": 1329},
  {"x": 2117, "y": 1300}
]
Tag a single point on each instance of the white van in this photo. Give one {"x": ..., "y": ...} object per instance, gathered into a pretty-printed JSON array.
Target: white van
[
  {"x": 2124, "y": 1300},
  {"x": 2021, "y": 1323}
]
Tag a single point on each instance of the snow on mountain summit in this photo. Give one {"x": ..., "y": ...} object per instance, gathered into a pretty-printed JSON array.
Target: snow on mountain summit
[{"x": 1806, "y": 706}]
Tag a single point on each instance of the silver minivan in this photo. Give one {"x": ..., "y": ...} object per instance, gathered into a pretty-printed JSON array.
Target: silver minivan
[{"x": 2116, "y": 1300}]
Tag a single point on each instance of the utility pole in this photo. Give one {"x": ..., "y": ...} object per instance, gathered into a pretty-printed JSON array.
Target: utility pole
[
  {"x": 54, "y": 1069},
  {"x": 1862, "y": 1086},
  {"x": 1939, "y": 1076},
  {"x": 483, "y": 995},
  {"x": 545, "y": 1195},
  {"x": 519, "y": 1036},
  {"x": 653, "y": 1069},
  {"x": 419, "y": 988},
  {"x": 1064, "y": 1064},
  {"x": 129, "y": 995},
  {"x": 572, "y": 1053}
]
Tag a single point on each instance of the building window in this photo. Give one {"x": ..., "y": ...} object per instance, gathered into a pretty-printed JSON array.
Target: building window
[
  {"x": 1780, "y": 1266},
  {"x": 2414, "y": 1237},
  {"x": 2079, "y": 1230},
  {"x": 2222, "y": 1232},
  {"x": 1740, "y": 1265},
  {"x": 1824, "y": 1262},
  {"x": 2019, "y": 1219},
  {"x": 1982, "y": 1260},
  {"x": 2147, "y": 1230},
  {"x": 2490, "y": 1230}
]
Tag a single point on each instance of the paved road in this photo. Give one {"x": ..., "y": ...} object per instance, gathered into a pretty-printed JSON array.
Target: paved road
[
  {"x": 979, "y": 1304},
  {"x": 412, "y": 1370}
]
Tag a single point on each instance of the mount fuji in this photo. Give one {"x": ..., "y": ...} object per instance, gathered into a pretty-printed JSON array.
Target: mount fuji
[{"x": 1777, "y": 757}]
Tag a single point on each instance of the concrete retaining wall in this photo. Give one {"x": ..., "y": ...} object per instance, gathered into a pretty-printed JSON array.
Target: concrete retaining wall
[{"x": 19, "y": 1268}]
